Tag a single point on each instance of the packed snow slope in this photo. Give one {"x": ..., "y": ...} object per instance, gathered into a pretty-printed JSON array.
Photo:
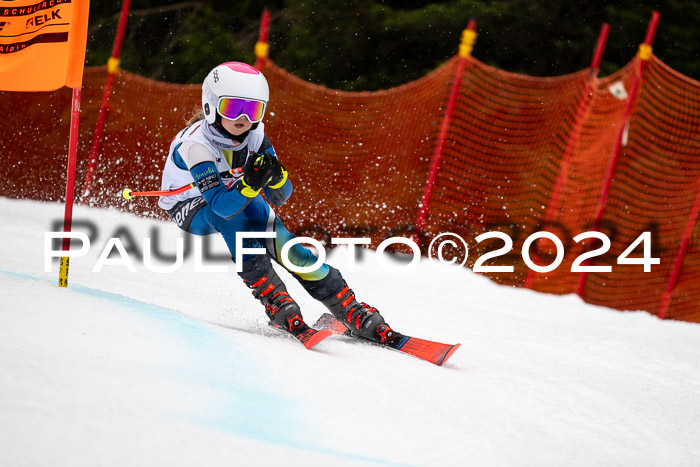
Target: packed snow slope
[{"x": 179, "y": 368}]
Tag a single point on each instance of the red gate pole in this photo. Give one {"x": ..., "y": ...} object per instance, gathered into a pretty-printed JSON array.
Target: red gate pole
[
  {"x": 262, "y": 47},
  {"x": 70, "y": 184},
  {"x": 677, "y": 266},
  {"x": 553, "y": 206},
  {"x": 465, "y": 50},
  {"x": 112, "y": 69},
  {"x": 644, "y": 55}
]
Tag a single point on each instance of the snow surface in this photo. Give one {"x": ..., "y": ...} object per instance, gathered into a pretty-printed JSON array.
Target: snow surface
[{"x": 144, "y": 368}]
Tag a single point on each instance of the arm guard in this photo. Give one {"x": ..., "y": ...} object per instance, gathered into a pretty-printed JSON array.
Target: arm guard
[
  {"x": 279, "y": 194},
  {"x": 224, "y": 203}
]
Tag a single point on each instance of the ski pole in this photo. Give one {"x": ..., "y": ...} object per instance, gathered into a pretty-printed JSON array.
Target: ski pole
[{"x": 128, "y": 194}]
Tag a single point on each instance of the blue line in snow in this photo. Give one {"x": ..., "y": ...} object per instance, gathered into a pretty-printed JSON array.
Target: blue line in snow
[{"x": 258, "y": 404}]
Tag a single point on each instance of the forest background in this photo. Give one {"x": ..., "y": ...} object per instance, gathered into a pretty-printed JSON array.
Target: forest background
[{"x": 361, "y": 45}]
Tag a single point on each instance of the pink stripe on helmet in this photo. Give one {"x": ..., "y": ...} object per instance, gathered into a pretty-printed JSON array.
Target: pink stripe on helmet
[{"x": 241, "y": 68}]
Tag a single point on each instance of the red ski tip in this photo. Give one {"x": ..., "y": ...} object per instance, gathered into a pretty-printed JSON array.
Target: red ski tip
[
  {"x": 316, "y": 338},
  {"x": 449, "y": 354}
]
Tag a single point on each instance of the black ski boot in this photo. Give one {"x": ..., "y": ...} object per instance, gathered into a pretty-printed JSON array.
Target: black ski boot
[
  {"x": 360, "y": 318},
  {"x": 282, "y": 310}
]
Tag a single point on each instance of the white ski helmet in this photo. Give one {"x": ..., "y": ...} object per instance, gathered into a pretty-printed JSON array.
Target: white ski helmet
[{"x": 233, "y": 89}]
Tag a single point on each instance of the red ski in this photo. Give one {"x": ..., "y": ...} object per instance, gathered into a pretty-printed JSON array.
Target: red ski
[{"x": 433, "y": 352}]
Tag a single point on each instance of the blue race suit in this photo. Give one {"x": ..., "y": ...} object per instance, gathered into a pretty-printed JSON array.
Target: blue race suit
[{"x": 200, "y": 153}]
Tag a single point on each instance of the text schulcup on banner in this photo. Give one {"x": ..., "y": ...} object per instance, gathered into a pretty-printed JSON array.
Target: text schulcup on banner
[{"x": 42, "y": 44}]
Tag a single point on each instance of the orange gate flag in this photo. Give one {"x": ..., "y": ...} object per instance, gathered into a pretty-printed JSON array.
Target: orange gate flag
[{"x": 42, "y": 44}]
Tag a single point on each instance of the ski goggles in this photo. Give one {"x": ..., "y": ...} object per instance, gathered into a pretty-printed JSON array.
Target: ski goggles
[{"x": 234, "y": 107}]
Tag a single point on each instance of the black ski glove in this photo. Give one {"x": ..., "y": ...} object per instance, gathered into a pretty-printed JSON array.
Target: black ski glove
[
  {"x": 258, "y": 170},
  {"x": 279, "y": 175}
]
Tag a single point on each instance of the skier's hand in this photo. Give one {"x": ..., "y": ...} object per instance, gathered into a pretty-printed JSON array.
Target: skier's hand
[
  {"x": 279, "y": 175},
  {"x": 258, "y": 170}
]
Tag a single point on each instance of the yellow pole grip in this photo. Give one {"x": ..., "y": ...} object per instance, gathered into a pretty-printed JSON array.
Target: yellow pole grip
[
  {"x": 113, "y": 65},
  {"x": 644, "y": 52},
  {"x": 467, "y": 44},
  {"x": 262, "y": 49}
]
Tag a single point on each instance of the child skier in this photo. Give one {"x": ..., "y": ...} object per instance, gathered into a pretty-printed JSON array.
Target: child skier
[{"x": 230, "y": 134}]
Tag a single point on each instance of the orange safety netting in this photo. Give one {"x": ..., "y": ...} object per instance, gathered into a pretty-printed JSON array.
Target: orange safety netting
[
  {"x": 654, "y": 189},
  {"x": 360, "y": 162}
]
